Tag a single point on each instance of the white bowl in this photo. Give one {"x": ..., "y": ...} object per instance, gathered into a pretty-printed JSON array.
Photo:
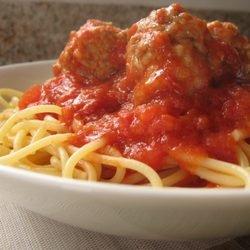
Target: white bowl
[{"x": 138, "y": 212}]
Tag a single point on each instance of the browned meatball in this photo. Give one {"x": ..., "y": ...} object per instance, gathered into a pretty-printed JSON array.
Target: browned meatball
[
  {"x": 168, "y": 47},
  {"x": 96, "y": 50},
  {"x": 171, "y": 49},
  {"x": 228, "y": 33}
]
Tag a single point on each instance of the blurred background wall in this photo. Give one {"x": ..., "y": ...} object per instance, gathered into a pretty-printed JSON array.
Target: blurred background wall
[{"x": 38, "y": 30}]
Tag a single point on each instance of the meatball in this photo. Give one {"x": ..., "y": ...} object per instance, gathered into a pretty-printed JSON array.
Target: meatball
[
  {"x": 173, "y": 50},
  {"x": 228, "y": 34},
  {"x": 96, "y": 50}
]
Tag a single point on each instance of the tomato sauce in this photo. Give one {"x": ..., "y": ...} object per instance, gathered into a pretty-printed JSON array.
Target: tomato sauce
[
  {"x": 199, "y": 121},
  {"x": 147, "y": 132}
]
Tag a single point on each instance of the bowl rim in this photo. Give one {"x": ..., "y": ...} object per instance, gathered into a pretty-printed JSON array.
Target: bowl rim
[
  {"x": 122, "y": 189},
  {"x": 27, "y": 64}
]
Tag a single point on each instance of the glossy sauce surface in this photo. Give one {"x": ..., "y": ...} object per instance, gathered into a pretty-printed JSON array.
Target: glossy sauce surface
[{"x": 167, "y": 93}]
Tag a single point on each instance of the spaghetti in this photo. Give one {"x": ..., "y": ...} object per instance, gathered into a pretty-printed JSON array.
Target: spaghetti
[
  {"x": 42, "y": 146},
  {"x": 23, "y": 136},
  {"x": 162, "y": 104}
]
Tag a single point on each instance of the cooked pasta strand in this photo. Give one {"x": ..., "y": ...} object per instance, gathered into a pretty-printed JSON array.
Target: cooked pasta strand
[{"x": 32, "y": 148}]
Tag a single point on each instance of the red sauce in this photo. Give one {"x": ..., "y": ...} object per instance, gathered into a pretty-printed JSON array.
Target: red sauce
[
  {"x": 148, "y": 131},
  {"x": 199, "y": 122}
]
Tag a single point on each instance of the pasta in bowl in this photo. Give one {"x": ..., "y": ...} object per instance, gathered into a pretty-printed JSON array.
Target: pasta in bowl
[
  {"x": 162, "y": 103},
  {"x": 137, "y": 211}
]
